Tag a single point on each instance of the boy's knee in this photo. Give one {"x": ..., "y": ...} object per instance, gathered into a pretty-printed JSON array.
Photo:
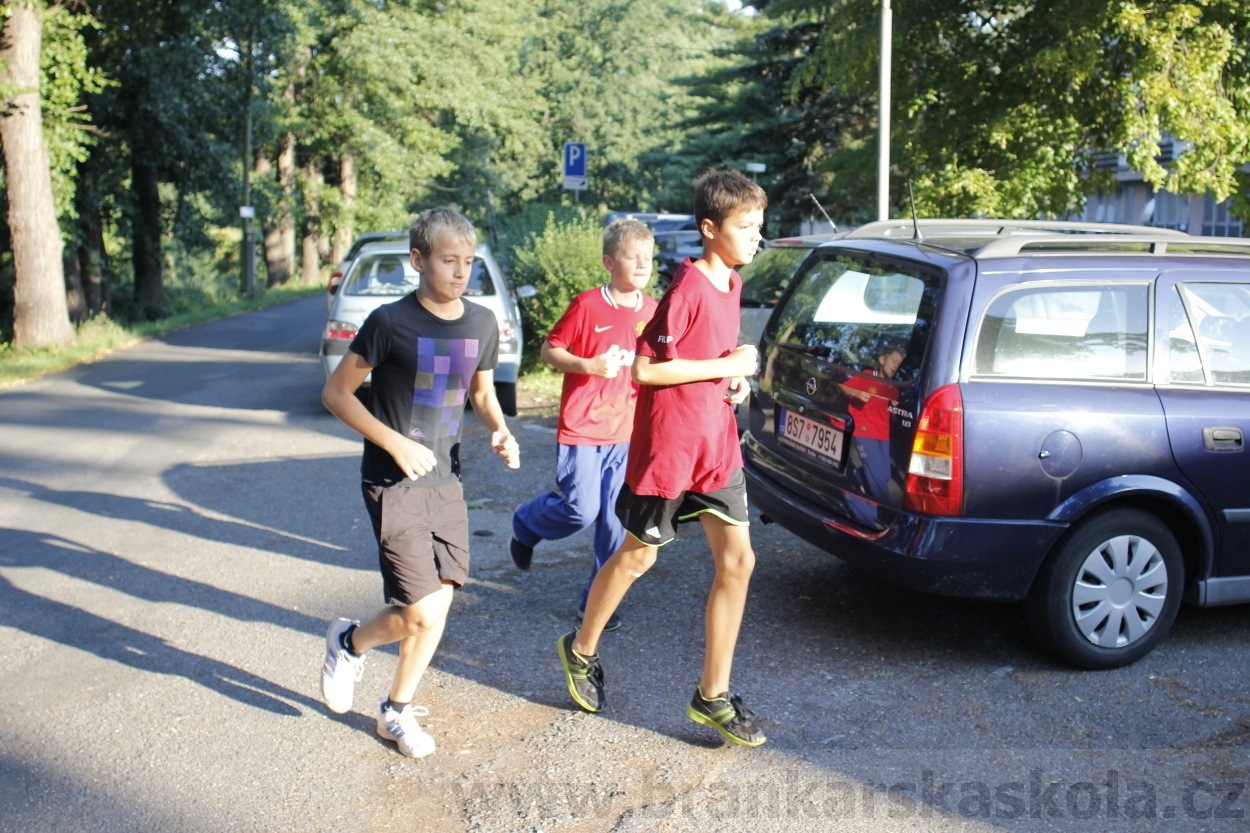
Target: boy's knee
[
  {"x": 739, "y": 563},
  {"x": 636, "y": 562}
]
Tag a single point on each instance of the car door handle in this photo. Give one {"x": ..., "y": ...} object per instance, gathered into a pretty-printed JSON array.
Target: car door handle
[{"x": 1222, "y": 438}]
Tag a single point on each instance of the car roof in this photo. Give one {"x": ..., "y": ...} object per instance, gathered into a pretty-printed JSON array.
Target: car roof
[
  {"x": 401, "y": 247},
  {"x": 997, "y": 239}
]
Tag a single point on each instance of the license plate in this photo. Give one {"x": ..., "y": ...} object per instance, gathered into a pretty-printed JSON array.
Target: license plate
[{"x": 819, "y": 441}]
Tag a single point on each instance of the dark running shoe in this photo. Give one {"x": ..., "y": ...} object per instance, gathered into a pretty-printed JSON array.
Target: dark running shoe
[
  {"x": 521, "y": 554},
  {"x": 727, "y": 715},
  {"x": 583, "y": 674},
  {"x": 614, "y": 621}
]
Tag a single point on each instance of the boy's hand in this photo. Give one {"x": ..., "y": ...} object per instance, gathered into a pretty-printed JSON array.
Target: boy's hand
[
  {"x": 739, "y": 390},
  {"x": 413, "y": 459},
  {"x": 606, "y": 365},
  {"x": 744, "y": 360},
  {"x": 504, "y": 444}
]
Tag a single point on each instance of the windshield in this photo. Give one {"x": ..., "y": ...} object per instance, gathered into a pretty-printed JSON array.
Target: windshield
[{"x": 851, "y": 312}]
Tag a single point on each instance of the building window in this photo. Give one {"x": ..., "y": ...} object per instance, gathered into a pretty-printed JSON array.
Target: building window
[{"x": 1218, "y": 222}]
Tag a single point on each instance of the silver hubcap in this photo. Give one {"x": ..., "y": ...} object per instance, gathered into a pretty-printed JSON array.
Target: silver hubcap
[{"x": 1119, "y": 591}]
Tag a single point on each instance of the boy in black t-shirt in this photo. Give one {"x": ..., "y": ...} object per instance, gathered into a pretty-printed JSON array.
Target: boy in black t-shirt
[{"x": 426, "y": 352}]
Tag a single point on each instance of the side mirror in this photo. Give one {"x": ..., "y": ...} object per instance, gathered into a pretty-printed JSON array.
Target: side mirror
[{"x": 527, "y": 291}]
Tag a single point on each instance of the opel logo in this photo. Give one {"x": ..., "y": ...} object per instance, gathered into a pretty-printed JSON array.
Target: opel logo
[{"x": 811, "y": 386}]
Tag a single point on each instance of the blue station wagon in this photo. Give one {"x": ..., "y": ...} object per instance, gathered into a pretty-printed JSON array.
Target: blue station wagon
[{"x": 1047, "y": 412}]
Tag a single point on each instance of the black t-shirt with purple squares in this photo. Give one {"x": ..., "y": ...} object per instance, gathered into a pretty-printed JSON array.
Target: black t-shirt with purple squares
[{"x": 422, "y": 367}]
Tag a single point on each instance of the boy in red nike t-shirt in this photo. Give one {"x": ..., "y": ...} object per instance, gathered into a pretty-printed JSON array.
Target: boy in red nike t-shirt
[
  {"x": 684, "y": 460},
  {"x": 593, "y": 345}
]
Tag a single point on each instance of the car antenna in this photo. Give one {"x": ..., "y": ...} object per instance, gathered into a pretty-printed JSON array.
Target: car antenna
[
  {"x": 822, "y": 211},
  {"x": 914, "y": 224}
]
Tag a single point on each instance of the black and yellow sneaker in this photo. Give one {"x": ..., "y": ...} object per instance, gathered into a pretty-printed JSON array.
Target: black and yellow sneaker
[
  {"x": 583, "y": 674},
  {"x": 727, "y": 715}
]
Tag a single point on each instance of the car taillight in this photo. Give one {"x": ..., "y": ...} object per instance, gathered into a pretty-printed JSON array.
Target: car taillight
[
  {"x": 332, "y": 285},
  {"x": 340, "y": 331},
  {"x": 507, "y": 332},
  {"x": 935, "y": 476}
]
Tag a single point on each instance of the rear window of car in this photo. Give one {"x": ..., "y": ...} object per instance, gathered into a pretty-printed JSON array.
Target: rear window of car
[
  {"x": 850, "y": 311},
  {"x": 392, "y": 274},
  {"x": 1065, "y": 332},
  {"x": 765, "y": 278}
]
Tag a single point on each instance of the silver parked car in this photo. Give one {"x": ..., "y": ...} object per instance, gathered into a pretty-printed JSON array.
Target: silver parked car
[{"x": 381, "y": 272}]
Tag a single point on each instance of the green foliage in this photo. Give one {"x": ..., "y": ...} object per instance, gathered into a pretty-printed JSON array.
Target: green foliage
[
  {"x": 1004, "y": 108},
  {"x": 564, "y": 259}
]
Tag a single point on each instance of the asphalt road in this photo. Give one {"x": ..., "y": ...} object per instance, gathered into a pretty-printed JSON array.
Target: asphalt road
[{"x": 179, "y": 520}]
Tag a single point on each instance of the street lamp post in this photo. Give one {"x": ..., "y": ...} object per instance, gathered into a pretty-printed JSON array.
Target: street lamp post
[{"x": 883, "y": 118}]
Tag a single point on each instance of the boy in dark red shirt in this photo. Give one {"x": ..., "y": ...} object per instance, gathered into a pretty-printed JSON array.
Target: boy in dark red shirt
[
  {"x": 684, "y": 460},
  {"x": 869, "y": 403},
  {"x": 593, "y": 345}
]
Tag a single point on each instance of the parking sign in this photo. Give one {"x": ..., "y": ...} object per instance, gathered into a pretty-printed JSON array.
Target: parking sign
[{"x": 575, "y": 166}]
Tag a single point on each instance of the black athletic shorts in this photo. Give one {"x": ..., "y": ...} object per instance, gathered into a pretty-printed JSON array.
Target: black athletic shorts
[
  {"x": 652, "y": 519},
  {"x": 423, "y": 538}
]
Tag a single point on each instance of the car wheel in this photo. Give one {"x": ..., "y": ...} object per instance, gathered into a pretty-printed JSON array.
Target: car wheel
[
  {"x": 1109, "y": 591},
  {"x": 506, "y": 393}
]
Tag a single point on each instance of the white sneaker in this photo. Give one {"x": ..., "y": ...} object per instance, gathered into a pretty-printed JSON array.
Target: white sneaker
[
  {"x": 402, "y": 728},
  {"x": 341, "y": 670}
]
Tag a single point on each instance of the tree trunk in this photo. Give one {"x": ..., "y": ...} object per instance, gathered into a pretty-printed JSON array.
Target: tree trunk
[
  {"x": 347, "y": 184},
  {"x": 269, "y": 227},
  {"x": 90, "y": 247},
  {"x": 310, "y": 265},
  {"x": 146, "y": 240},
  {"x": 75, "y": 298},
  {"x": 40, "y": 312},
  {"x": 286, "y": 212}
]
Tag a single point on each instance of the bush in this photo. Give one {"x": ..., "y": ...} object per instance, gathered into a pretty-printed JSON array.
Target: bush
[{"x": 566, "y": 258}]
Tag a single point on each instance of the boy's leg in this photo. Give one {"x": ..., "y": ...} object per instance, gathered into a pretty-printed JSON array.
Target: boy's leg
[
  {"x": 555, "y": 515},
  {"x": 610, "y": 586},
  {"x": 735, "y": 561},
  {"x": 609, "y": 533}
]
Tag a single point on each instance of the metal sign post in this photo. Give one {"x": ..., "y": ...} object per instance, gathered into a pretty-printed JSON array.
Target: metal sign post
[{"x": 575, "y": 178}]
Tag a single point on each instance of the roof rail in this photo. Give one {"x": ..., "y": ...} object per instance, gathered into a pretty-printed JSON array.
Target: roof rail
[
  {"x": 1117, "y": 243},
  {"x": 1001, "y": 228}
]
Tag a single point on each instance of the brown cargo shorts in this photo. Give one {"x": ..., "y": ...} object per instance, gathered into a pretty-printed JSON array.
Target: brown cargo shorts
[{"x": 423, "y": 537}]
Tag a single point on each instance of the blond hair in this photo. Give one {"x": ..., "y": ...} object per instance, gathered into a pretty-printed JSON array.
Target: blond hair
[
  {"x": 620, "y": 232},
  {"x": 435, "y": 223}
]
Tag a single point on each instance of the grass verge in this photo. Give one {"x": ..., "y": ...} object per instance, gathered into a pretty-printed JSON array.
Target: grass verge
[{"x": 100, "y": 334}]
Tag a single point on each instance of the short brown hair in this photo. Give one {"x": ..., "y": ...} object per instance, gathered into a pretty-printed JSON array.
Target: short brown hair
[
  {"x": 433, "y": 223},
  {"x": 717, "y": 194},
  {"x": 620, "y": 232}
]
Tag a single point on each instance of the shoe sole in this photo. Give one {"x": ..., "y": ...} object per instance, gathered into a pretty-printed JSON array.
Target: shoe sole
[
  {"x": 568, "y": 679},
  {"x": 700, "y": 717}
]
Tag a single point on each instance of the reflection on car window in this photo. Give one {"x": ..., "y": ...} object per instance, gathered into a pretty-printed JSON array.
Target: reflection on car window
[
  {"x": 764, "y": 279},
  {"x": 1221, "y": 315},
  {"x": 851, "y": 311},
  {"x": 392, "y": 274},
  {"x": 381, "y": 274},
  {"x": 1183, "y": 362},
  {"x": 1094, "y": 332}
]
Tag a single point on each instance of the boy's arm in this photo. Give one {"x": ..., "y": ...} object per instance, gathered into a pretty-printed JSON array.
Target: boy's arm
[
  {"x": 649, "y": 370},
  {"x": 486, "y": 406},
  {"x": 565, "y": 362},
  {"x": 339, "y": 397}
]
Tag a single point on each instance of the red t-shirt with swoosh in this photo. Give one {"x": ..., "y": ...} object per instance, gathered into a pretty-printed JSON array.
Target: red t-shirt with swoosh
[
  {"x": 595, "y": 410},
  {"x": 685, "y": 436}
]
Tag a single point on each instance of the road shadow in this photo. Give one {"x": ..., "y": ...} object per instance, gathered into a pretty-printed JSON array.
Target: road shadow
[
  {"x": 76, "y": 628},
  {"x": 240, "y": 507}
]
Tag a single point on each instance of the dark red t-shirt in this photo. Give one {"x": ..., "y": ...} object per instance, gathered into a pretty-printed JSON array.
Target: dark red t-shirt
[
  {"x": 595, "y": 410},
  {"x": 872, "y": 418},
  {"x": 685, "y": 437}
]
